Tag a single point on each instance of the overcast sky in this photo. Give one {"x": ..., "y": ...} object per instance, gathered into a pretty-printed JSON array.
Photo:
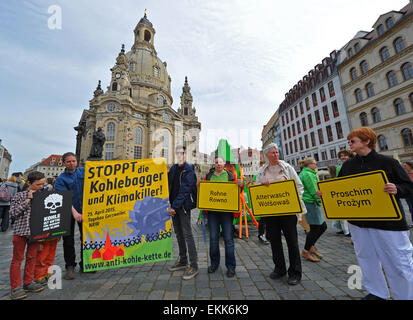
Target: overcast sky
[{"x": 240, "y": 57}]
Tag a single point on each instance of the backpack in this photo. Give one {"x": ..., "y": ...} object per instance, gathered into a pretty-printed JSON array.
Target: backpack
[{"x": 5, "y": 195}]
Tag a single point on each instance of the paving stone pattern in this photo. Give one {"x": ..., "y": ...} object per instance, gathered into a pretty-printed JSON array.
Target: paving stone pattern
[{"x": 324, "y": 280}]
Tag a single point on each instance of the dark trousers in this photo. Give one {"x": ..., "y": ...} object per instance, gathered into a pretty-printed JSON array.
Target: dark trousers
[
  {"x": 4, "y": 215},
  {"x": 186, "y": 243},
  {"x": 261, "y": 227},
  {"x": 69, "y": 251},
  {"x": 288, "y": 225},
  {"x": 315, "y": 233}
]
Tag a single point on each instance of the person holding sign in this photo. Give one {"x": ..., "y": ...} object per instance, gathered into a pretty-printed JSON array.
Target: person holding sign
[
  {"x": 20, "y": 209},
  {"x": 381, "y": 245},
  {"x": 277, "y": 170},
  {"x": 221, "y": 219},
  {"x": 314, "y": 215}
]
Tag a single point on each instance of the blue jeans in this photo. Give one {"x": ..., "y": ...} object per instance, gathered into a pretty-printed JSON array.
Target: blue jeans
[{"x": 215, "y": 220}]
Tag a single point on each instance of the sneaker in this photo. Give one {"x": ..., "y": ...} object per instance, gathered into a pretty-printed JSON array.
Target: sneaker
[
  {"x": 212, "y": 269},
  {"x": 178, "y": 266},
  {"x": 43, "y": 282},
  {"x": 18, "y": 294},
  {"x": 33, "y": 287},
  {"x": 190, "y": 273},
  {"x": 70, "y": 273},
  {"x": 230, "y": 273},
  {"x": 262, "y": 239}
]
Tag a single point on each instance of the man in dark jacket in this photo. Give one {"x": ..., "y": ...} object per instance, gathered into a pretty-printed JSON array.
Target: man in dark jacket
[
  {"x": 182, "y": 184},
  {"x": 381, "y": 245}
]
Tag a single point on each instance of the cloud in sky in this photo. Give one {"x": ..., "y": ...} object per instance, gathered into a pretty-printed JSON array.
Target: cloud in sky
[{"x": 240, "y": 57}]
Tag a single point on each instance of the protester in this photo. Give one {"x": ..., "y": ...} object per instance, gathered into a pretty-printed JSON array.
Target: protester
[
  {"x": 20, "y": 209},
  {"x": 72, "y": 179},
  {"x": 224, "y": 220},
  {"x": 182, "y": 182},
  {"x": 408, "y": 167},
  {"x": 49, "y": 184},
  {"x": 314, "y": 215},
  {"x": 11, "y": 186},
  {"x": 381, "y": 245},
  {"x": 278, "y": 170},
  {"x": 342, "y": 225},
  {"x": 20, "y": 181},
  {"x": 261, "y": 222}
]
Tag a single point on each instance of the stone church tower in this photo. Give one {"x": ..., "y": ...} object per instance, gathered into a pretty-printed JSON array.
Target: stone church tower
[{"x": 135, "y": 112}]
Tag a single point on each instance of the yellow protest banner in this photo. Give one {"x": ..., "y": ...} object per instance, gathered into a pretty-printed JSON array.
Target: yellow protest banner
[
  {"x": 359, "y": 197},
  {"x": 278, "y": 199},
  {"x": 126, "y": 213},
  {"x": 218, "y": 196}
]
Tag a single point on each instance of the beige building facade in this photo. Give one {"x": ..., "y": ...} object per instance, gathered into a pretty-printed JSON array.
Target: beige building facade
[
  {"x": 377, "y": 81},
  {"x": 135, "y": 112}
]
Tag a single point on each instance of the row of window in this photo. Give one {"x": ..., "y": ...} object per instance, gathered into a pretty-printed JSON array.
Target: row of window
[
  {"x": 291, "y": 130},
  {"x": 290, "y": 116},
  {"x": 303, "y": 143},
  {"x": 398, "y": 44},
  {"x": 406, "y": 135},
  {"x": 392, "y": 80},
  {"x": 399, "y": 109}
]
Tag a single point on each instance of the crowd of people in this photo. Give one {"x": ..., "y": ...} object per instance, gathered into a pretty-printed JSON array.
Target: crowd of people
[{"x": 382, "y": 248}]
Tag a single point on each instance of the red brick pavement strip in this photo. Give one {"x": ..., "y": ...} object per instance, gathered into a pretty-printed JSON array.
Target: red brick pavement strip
[{"x": 325, "y": 280}]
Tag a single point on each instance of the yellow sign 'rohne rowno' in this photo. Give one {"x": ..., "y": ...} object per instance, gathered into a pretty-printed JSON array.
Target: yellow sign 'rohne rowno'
[
  {"x": 218, "y": 196},
  {"x": 359, "y": 197}
]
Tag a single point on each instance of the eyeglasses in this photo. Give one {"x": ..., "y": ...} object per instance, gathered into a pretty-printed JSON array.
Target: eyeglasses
[
  {"x": 178, "y": 153},
  {"x": 351, "y": 141}
]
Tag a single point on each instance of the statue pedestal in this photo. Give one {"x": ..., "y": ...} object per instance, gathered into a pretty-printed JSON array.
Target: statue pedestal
[{"x": 93, "y": 159}]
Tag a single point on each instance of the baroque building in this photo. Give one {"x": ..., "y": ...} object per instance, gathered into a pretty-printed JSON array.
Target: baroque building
[
  {"x": 377, "y": 80},
  {"x": 135, "y": 112}
]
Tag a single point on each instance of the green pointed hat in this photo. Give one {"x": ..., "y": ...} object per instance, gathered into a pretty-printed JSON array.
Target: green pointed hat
[{"x": 224, "y": 151}]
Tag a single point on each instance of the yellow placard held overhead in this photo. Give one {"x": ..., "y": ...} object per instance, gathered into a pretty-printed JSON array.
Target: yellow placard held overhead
[
  {"x": 359, "y": 197},
  {"x": 218, "y": 196},
  {"x": 278, "y": 199}
]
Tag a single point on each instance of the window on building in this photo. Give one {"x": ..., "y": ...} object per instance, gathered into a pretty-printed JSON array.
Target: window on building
[
  {"x": 370, "y": 89},
  {"x": 295, "y": 145},
  {"x": 312, "y": 136},
  {"x": 334, "y": 107},
  {"x": 331, "y": 89},
  {"x": 138, "y": 135},
  {"x": 114, "y": 86},
  {"x": 399, "y": 44},
  {"x": 353, "y": 73},
  {"x": 384, "y": 54},
  {"x": 380, "y": 30},
  {"x": 156, "y": 71},
  {"x": 407, "y": 137},
  {"x": 407, "y": 71},
  {"x": 323, "y": 155},
  {"x": 382, "y": 143},
  {"x": 363, "y": 119},
  {"x": 285, "y": 134},
  {"x": 357, "y": 47},
  {"x": 333, "y": 154},
  {"x": 306, "y": 141},
  {"x": 147, "y": 36},
  {"x": 392, "y": 79},
  {"x": 322, "y": 94},
  {"x": 320, "y": 136},
  {"x": 316, "y": 157},
  {"x": 375, "y": 112},
  {"x": 350, "y": 52},
  {"x": 305, "y": 124},
  {"x": 358, "y": 94},
  {"x": 296, "y": 111},
  {"x": 325, "y": 113},
  {"x": 411, "y": 99},
  {"x": 109, "y": 149},
  {"x": 293, "y": 129},
  {"x": 399, "y": 107},
  {"x": 389, "y": 22},
  {"x": 137, "y": 152},
  {"x": 310, "y": 121},
  {"x": 300, "y": 141},
  {"x": 289, "y": 132},
  {"x": 110, "y": 131},
  {"x": 317, "y": 117},
  {"x": 286, "y": 149},
  {"x": 291, "y": 147},
  {"x": 329, "y": 133},
  {"x": 286, "y": 117},
  {"x": 298, "y": 127},
  {"x": 301, "y": 108},
  {"x": 314, "y": 96},
  {"x": 364, "y": 67},
  {"x": 307, "y": 103},
  {"x": 132, "y": 67}
]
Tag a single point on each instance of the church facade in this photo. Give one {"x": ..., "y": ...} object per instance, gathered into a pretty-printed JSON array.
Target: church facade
[{"x": 135, "y": 113}]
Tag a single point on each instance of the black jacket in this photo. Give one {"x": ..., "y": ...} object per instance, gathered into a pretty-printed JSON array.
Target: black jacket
[
  {"x": 395, "y": 174},
  {"x": 186, "y": 197}
]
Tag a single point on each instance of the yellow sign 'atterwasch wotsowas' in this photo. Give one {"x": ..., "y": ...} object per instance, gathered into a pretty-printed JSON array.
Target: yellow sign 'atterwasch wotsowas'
[
  {"x": 359, "y": 197},
  {"x": 278, "y": 199},
  {"x": 218, "y": 196}
]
